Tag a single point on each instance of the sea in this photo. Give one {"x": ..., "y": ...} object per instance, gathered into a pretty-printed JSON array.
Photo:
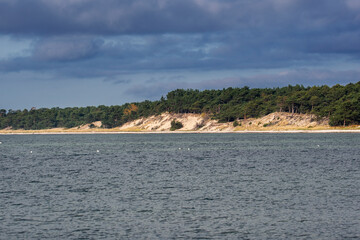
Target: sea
[{"x": 180, "y": 186}]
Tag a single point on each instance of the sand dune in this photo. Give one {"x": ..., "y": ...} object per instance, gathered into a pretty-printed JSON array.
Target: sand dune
[{"x": 202, "y": 123}]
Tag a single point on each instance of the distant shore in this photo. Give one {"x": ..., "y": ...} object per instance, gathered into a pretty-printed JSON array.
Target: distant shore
[
  {"x": 278, "y": 122},
  {"x": 49, "y": 132}
]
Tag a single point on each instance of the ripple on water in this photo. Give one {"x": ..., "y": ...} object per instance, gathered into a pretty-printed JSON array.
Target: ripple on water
[{"x": 208, "y": 186}]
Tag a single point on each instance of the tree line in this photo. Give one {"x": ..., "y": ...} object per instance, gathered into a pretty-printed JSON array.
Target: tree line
[{"x": 339, "y": 103}]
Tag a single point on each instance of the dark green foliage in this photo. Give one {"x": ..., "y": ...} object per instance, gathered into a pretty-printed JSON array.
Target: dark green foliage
[
  {"x": 236, "y": 123},
  {"x": 175, "y": 125},
  {"x": 347, "y": 111},
  {"x": 340, "y": 103}
]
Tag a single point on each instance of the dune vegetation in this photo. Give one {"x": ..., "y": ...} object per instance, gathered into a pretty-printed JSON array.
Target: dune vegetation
[{"x": 338, "y": 104}]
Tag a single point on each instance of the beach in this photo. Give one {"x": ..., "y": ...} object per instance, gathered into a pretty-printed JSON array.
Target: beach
[{"x": 110, "y": 131}]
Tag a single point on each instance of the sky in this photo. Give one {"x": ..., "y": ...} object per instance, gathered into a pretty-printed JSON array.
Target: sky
[{"x": 74, "y": 53}]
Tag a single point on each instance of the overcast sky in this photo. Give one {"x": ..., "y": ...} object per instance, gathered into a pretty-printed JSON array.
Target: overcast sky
[{"x": 62, "y": 53}]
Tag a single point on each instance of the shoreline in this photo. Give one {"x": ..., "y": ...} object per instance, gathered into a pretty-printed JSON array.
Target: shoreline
[
  {"x": 277, "y": 122},
  {"x": 30, "y": 132}
]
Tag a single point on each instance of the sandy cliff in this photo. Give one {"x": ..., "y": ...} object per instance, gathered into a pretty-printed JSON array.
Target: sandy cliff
[{"x": 202, "y": 122}]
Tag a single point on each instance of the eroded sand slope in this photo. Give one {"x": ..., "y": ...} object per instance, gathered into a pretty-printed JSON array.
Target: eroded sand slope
[{"x": 202, "y": 122}]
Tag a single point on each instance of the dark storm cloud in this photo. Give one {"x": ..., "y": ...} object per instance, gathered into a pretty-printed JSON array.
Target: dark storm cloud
[
  {"x": 108, "y": 38},
  {"x": 126, "y": 53},
  {"x": 176, "y": 16},
  {"x": 104, "y": 17},
  {"x": 232, "y": 50}
]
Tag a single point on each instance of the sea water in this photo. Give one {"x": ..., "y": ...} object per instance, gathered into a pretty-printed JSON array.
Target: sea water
[{"x": 165, "y": 186}]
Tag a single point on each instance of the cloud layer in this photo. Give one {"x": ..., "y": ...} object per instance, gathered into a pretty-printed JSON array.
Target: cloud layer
[
  {"x": 174, "y": 16},
  {"x": 112, "y": 40}
]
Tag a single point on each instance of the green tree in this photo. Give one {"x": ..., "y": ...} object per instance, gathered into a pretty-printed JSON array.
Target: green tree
[{"x": 175, "y": 125}]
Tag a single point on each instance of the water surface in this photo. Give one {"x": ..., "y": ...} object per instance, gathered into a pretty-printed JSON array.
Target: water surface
[{"x": 233, "y": 186}]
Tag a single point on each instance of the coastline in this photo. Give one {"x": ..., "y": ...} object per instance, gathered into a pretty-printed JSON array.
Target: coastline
[
  {"x": 278, "y": 122},
  {"x": 44, "y": 132}
]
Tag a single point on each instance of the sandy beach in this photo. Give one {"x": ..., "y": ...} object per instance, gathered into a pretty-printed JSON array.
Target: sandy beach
[{"x": 46, "y": 132}]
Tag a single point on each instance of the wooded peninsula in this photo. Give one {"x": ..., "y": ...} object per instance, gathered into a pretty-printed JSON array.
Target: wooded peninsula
[{"x": 341, "y": 104}]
